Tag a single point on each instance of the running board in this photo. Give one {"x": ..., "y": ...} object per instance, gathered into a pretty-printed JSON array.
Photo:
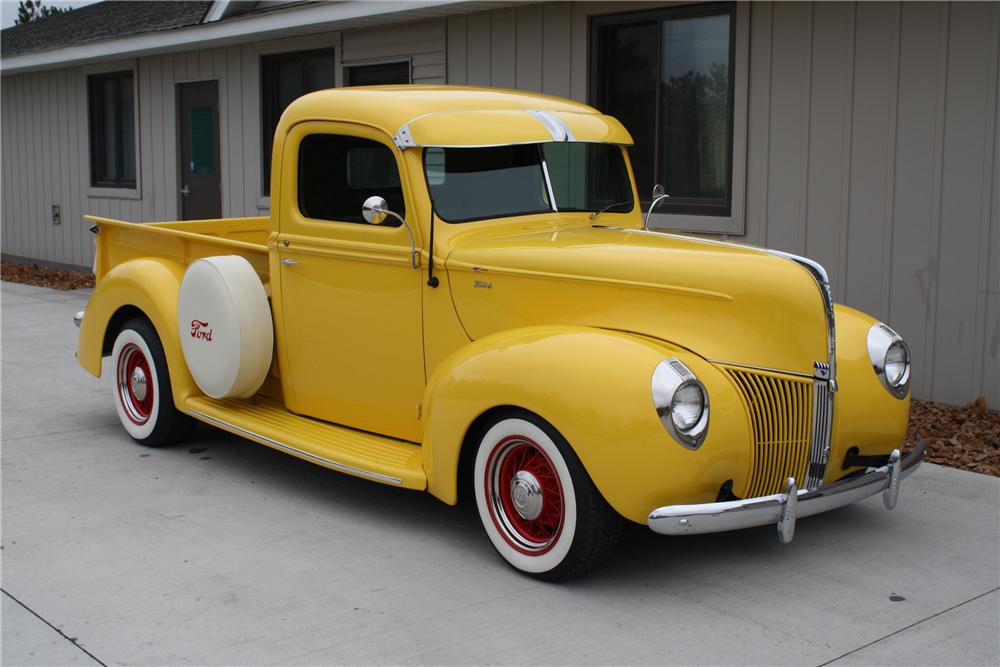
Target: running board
[{"x": 339, "y": 448}]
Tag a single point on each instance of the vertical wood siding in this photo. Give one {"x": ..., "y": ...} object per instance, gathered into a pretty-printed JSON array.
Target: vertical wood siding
[
  {"x": 873, "y": 149},
  {"x": 871, "y": 146},
  {"x": 45, "y": 140}
]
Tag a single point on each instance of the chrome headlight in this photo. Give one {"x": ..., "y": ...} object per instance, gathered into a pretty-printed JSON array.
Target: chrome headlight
[
  {"x": 681, "y": 402},
  {"x": 890, "y": 358}
]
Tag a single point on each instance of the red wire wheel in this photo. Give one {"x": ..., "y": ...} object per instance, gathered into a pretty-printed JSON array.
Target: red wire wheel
[
  {"x": 135, "y": 384},
  {"x": 524, "y": 495}
]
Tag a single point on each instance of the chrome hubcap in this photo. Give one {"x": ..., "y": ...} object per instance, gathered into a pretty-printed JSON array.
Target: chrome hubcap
[
  {"x": 526, "y": 493},
  {"x": 138, "y": 383}
]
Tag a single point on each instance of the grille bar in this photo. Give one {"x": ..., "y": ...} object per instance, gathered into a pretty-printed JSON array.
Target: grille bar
[
  {"x": 819, "y": 453},
  {"x": 781, "y": 416}
]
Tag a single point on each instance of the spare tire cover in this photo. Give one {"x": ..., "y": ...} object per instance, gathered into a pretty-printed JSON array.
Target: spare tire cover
[{"x": 225, "y": 326}]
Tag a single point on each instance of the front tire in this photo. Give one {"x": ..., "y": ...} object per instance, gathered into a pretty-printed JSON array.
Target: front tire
[
  {"x": 143, "y": 396},
  {"x": 537, "y": 503}
]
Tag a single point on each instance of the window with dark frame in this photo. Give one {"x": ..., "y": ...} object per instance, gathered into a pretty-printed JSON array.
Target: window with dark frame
[
  {"x": 338, "y": 173},
  {"x": 380, "y": 74},
  {"x": 283, "y": 78},
  {"x": 111, "y": 102},
  {"x": 668, "y": 76}
]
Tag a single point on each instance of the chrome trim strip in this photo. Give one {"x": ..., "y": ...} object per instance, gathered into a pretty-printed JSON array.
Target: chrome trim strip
[
  {"x": 669, "y": 376},
  {"x": 558, "y": 129},
  {"x": 751, "y": 367},
  {"x": 822, "y": 426},
  {"x": 880, "y": 338},
  {"x": 548, "y": 182},
  {"x": 775, "y": 510},
  {"x": 264, "y": 440}
]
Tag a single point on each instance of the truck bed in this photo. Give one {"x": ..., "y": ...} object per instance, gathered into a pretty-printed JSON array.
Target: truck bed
[{"x": 119, "y": 241}]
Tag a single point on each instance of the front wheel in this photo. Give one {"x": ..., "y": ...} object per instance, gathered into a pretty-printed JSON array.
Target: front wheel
[
  {"x": 143, "y": 396},
  {"x": 538, "y": 505}
]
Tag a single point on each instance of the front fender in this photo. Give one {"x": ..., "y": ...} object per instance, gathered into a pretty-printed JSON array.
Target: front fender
[
  {"x": 151, "y": 285},
  {"x": 594, "y": 386}
]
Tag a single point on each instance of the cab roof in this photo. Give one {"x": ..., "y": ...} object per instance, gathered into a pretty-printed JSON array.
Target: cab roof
[{"x": 465, "y": 116}]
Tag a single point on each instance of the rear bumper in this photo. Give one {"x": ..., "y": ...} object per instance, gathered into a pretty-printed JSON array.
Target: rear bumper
[{"x": 783, "y": 509}]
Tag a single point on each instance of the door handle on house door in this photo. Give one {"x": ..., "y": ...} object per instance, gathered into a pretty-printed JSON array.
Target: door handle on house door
[{"x": 185, "y": 190}]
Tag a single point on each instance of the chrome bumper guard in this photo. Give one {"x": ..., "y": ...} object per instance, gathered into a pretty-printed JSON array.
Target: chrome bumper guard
[{"x": 783, "y": 509}]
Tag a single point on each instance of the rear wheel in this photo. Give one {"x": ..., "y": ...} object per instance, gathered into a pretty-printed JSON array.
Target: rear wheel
[
  {"x": 537, "y": 503},
  {"x": 143, "y": 395}
]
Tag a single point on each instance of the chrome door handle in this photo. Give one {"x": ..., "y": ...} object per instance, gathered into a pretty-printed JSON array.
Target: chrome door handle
[
  {"x": 290, "y": 262},
  {"x": 185, "y": 190}
]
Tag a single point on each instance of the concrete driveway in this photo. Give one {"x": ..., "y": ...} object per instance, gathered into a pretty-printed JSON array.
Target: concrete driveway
[{"x": 221, "y": 551}]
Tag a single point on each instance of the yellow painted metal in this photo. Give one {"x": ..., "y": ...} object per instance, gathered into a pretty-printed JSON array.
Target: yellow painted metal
[
  {"x": 150, "y": 285},
  {"x": 387, "y": 108},
  {"x": 543, "y": 312},
  {"x": 723, "y": 302},
  {"x": 865, "y": 415},
  {"x": 503, "y": 127},
  {"x": 357, "y": 453},
  {"x": 348, "y": 312},
  {"x": 594, "y": 387}
]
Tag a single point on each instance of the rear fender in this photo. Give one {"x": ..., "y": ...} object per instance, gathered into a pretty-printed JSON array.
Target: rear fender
[
  {"x": 594, "y": 387},
  {"x": 150, "y": 285}
]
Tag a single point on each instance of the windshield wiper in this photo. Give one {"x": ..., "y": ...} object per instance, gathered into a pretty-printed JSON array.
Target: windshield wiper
[{"x": 593, "y": 216}]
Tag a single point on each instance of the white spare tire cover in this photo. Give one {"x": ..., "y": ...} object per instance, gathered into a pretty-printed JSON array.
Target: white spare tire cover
[{"x": 225, "y": 326}]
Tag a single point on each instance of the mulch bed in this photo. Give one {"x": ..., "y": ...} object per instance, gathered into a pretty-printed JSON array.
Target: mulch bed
[
  {"x": 959, "y": 436},
  {"x": 43, "y": 276}
]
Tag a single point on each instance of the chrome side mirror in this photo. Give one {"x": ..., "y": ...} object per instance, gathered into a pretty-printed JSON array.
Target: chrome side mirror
[
  {"x": 375, "y": 210},
  {"x": 659, "y": 194}
]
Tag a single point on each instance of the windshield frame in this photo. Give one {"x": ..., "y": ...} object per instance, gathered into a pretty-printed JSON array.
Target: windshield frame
[{"x": 553, "y": 204}]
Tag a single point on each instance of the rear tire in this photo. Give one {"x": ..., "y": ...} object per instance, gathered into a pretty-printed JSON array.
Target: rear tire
[
  {"x": 143, "y": 396},
  {"x": 537, "y": 503}
]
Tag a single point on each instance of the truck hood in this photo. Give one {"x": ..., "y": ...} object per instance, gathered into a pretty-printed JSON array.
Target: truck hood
[{"x": 727, "y": 303}]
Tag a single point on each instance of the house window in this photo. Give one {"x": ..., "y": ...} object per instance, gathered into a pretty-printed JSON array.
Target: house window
[
  {"x": 111, "y": 99},
  {"x": 283, "y": 78},
  {"x": 377, "y": 75},
  {"x": 668, "y": 76}
]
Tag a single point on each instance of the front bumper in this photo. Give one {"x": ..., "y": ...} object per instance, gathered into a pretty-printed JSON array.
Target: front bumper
[{"x": 783, "y": 509}]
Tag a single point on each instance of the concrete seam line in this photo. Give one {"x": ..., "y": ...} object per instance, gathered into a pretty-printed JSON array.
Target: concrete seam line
[
  {"x": 61, "y": 633},
  {"x": 915, "y": 623}
]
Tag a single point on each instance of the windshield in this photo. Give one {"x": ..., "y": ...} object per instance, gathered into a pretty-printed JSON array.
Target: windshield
[{"x": 469, "y": 184}]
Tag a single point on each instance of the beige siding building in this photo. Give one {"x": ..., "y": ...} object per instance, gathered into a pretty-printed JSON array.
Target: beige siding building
[{"x": 863, "y": 135}]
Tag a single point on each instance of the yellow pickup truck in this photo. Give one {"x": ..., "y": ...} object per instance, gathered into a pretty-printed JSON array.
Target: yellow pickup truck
[{"x": 456, "y": 290}]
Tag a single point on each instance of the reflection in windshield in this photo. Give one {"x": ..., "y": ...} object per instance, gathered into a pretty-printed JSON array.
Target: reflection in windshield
[{"x": 477, "y": 183}]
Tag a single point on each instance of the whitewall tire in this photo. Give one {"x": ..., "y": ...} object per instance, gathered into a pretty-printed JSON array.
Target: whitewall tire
[
  {"x": 536, "y": 502},
  {"x": 142, "y": 392}
]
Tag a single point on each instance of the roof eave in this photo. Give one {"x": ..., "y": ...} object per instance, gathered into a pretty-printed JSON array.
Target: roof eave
[{"x": 320, "y": 17}]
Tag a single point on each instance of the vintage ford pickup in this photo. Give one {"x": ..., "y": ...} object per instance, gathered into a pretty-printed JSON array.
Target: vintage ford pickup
[{"x": 456, "y": 290}]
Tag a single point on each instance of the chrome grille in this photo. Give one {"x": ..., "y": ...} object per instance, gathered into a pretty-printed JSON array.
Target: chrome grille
[{"x": 781, "y": 413}]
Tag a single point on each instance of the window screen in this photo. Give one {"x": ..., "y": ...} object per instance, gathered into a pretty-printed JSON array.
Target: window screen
[{"x": 338, "y": 173}]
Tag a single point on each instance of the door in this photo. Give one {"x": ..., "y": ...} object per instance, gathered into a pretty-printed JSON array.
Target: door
[
  {"x": 349, "y": 333},
  {"x": 198, "y": 110}
]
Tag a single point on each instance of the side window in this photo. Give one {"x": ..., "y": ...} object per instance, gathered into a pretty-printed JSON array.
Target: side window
[{"x": 338, "y": 173}]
